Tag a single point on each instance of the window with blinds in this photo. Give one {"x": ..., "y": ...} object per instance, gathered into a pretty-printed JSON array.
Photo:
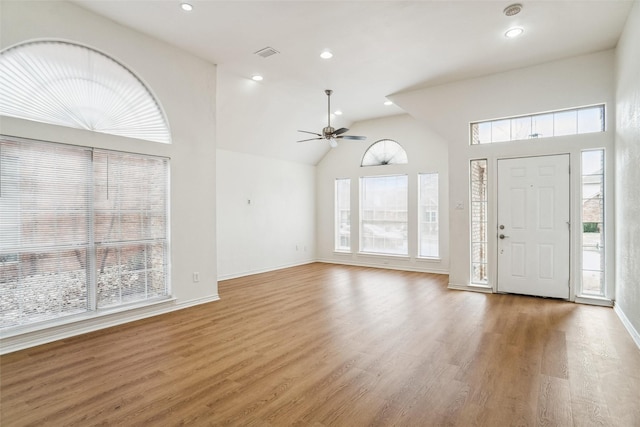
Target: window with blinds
[
  {"x": 80, "y": 230},
  {"x": 68, "y": 84}
]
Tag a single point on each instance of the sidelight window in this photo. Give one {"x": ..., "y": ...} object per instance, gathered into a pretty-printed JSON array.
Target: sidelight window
[
  {"x": 593, "y": 243},
  {"x": 479, "y": 221}
]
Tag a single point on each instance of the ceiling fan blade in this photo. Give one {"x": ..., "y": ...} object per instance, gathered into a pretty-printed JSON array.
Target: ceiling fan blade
[
  {"x": 312, "y": 133},
  {"x": 354, "y": 137},
  {"x": 341, "y": 131},
  {"x": 310, "y": 139}
]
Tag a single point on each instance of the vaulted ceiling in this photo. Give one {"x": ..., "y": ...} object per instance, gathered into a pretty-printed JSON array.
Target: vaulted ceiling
[{"x": 380, "y": 48}]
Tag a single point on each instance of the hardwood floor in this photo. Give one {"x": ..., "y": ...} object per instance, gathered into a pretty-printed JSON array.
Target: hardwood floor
[{"x": 321, "y": 345}]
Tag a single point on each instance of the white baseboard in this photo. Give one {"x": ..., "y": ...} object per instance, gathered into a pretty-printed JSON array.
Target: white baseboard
[
  {"x": 635, "y": 336},
  {"x": 93, "y": 323},
  {"x": 383, "y": 266},
  {"x": 262, "y": 270}
]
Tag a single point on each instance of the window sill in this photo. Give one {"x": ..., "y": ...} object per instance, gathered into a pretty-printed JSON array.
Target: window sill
[
  {"x": 594, "y": 300},
  {"x": 337, "y": 252},
  {"x": 80, "y": 317},
  {"x": 379, "y": 255},
  {"x": 429, "y": 259}
]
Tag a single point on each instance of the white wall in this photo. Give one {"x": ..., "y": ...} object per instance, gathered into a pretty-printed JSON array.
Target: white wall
[
  {"x": 185, "y": 86},
  {"x": 628, "y": 174},
  {"x": 448, "y": 109},
  {"x": 427, "y": 152},
  {"x": 266, "y": 213}
]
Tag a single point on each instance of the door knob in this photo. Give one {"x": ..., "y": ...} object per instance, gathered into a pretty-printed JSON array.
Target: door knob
[{"x": 502, "y": 236}]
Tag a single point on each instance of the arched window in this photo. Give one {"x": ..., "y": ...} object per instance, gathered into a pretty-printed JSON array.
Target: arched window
[
  {"x": 68, "y": 84},
  {"x": 384, "y": 152}
]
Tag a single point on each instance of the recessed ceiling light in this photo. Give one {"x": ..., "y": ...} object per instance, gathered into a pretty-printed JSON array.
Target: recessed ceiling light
[
  {"x": 326, "y": 54},
  {"x": 338, "y": 113},
  {"x": 512, "y": 9},
  {"x": 388, "y": 103},
  {"x": 257, "y": 78},
  {"x": 186, "y": 7},
  {"x": 514, "y": 32}
]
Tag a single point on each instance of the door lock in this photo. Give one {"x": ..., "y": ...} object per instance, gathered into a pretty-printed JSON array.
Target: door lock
[{"x": 502, "y": 236}]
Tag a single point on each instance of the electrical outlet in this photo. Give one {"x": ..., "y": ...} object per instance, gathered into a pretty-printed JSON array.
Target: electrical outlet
[{"x": 196, "y": 277}]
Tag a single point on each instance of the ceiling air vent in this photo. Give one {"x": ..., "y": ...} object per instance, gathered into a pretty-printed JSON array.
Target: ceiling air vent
[{"x": 266, "y": 52}]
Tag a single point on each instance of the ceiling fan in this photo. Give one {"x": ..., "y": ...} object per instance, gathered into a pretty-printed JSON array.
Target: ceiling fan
[{"x": 330, "y": 134}]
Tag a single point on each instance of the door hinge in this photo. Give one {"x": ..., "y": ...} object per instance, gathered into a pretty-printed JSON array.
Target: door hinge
[{"x": 569, "y": 224}]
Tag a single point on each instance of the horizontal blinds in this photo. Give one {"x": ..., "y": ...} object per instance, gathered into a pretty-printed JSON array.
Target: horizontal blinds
[
  {"x": 130, "y": 206},
  {"x": 71, "y": 85},
  {"x": 44, "y": 230},
  {"x": 80, "y": 229}
]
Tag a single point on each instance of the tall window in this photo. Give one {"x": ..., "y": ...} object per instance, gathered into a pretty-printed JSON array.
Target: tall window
[
  {"x": 88, "y": 230},
  {"x": 383, "y": 216},
  {"x": 428, "y": 215},
  {"x": 593, "y": 282},
  {"x": 558, "y": 123},
  {"x": 479, "y": 225},
  {"x": 343, "y": 215}
]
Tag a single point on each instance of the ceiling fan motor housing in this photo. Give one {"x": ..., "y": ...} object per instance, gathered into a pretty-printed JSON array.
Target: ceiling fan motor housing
[{"x": 328, "y": 132}]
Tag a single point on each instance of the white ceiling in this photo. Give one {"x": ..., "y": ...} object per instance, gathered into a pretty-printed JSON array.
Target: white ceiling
[{"x": 380, "y": 48}]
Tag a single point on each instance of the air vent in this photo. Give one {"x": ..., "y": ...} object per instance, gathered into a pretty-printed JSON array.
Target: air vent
[
  {"x": 513, "y": 9},
  {"x": 266, "y": 52}
]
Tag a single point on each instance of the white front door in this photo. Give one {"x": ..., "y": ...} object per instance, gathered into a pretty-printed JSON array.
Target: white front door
[{"x": 533, "y": 226}]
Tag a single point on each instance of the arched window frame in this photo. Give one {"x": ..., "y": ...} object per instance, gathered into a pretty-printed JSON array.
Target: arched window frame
[
  {"x": 384, "y": 152},
  {"x": 128, "y": 107}
]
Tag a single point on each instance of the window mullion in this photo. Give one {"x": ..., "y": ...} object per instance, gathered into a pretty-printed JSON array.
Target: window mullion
[{"x": 91, "y": 249}]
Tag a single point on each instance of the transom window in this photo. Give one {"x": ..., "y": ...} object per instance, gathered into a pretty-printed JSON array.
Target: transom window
[{"x": 558, "y": 123}]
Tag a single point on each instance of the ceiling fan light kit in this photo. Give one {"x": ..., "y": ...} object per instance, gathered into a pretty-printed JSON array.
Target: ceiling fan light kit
[{"x": 330, "y": 134}]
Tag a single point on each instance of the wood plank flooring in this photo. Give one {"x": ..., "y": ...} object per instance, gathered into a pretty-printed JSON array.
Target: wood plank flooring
[{"x": 330, "y": 345}]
